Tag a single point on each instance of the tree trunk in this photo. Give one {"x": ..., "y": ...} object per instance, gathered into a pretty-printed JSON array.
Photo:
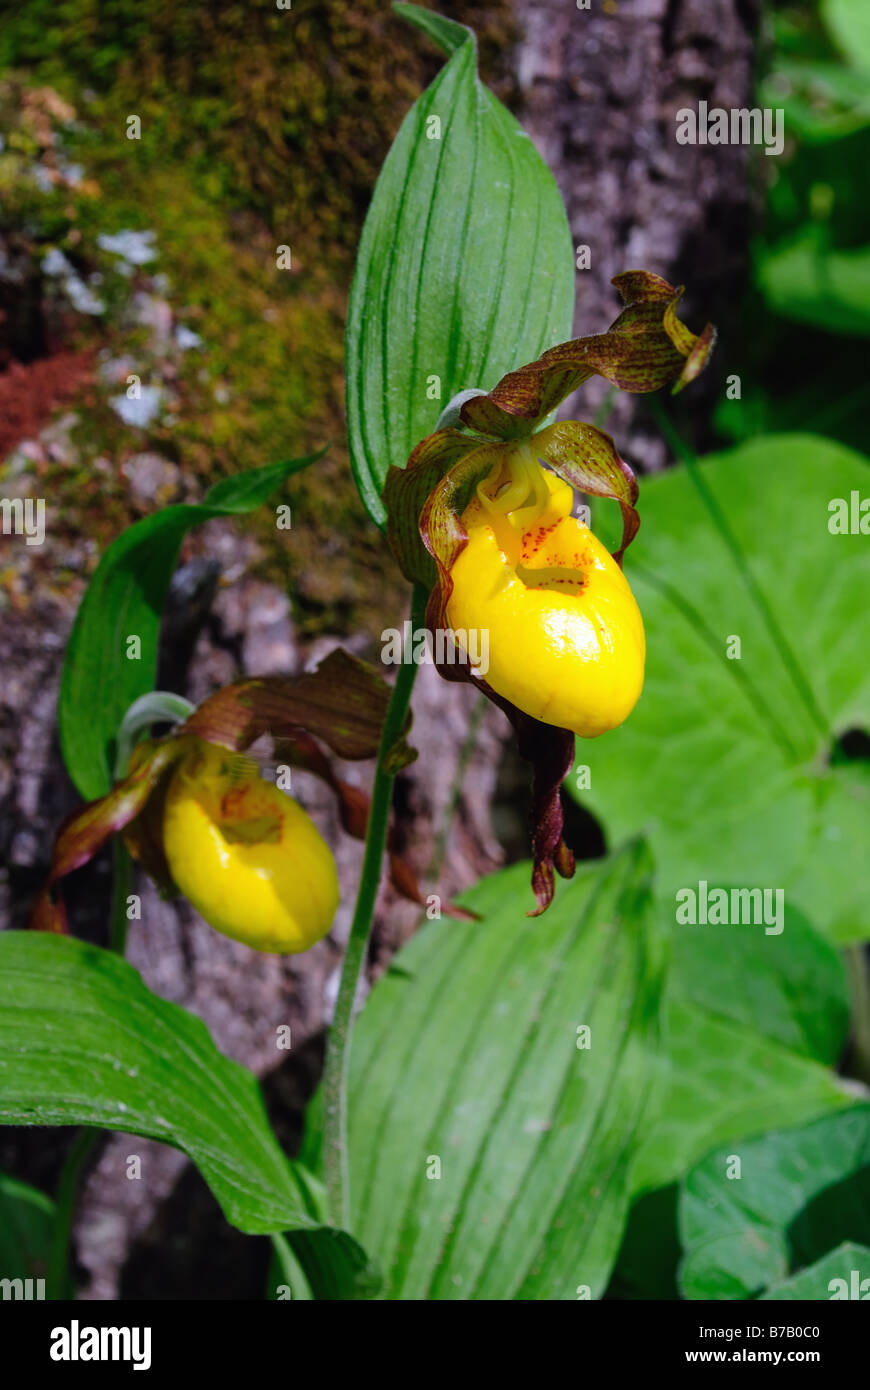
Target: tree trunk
[{"x": 600, "y": 91}]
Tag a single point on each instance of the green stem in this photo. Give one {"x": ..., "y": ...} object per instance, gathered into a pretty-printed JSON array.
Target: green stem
[
  {"x": 85, "y": 1142},
  {"x": 121, "y": 884},
  {"x": 338, "y": 1053},
  {"x": 77, "y": 1156},
  {"x": 720, "y": 521}
]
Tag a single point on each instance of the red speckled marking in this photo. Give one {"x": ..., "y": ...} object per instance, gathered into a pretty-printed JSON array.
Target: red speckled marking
[
  {"x": 533, "y": 540},
  {"x": 233, "y": 803}
]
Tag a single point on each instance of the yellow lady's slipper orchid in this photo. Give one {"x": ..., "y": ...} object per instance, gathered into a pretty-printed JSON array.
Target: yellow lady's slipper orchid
[
  {"x": 559, "y": 636},
  {"x": 246, "y": 855},
  {"x": 198, "y": 818},
  {"x": 566, "y": 639}
]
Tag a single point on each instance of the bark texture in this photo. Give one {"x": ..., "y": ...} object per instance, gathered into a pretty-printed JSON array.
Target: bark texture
[{"x": 600, "y": 90}]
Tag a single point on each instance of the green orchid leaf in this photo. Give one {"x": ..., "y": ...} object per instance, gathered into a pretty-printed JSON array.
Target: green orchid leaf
[
  {"x": 791, "y": 989},
  {"x": 444, "y": 32},
  {"x": 466, "y": 224},
  {"x": 530, "y": 1076},
  {"x": 83, "y": 1042},
  {"x": 104, "y": 670},
  {"x": 286, "y": 1280}
]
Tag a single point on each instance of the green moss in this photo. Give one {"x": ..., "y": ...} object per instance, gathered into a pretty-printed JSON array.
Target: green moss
[{"x": 260, "y": 127}]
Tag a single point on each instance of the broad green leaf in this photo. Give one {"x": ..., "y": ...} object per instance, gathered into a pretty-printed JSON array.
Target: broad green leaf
[
  {"x": 839, "y": 1274},
  {"x": 746, "y": 1027},
  {"x": 335, "y": 1265},
  {"x": 465, "y": 267},
  {"x": 848, "y": 22},
  {"x": 749, "y": 1019},
  {"x": 791, "y": 988},
  {"x": 125, "y": 598},
  {"x": 321, "y": 1264},
  {"x": 720, "y": 1084},
  {"x": 26, "y": 1229},
  {"x": 829, "y": 885},
  {"x": 740, "y": 1233},
  {"x": 725, "y": 762},
  {"x": 489, "y": 1151},
  {"x": 82, "y": 1041},
  {"x": 803, "y": 279}
]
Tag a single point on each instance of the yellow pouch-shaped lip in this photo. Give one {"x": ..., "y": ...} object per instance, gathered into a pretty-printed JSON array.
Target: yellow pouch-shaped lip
[
  {"x": 566, "y": 640},
  {"x": 247, "y": 856}
]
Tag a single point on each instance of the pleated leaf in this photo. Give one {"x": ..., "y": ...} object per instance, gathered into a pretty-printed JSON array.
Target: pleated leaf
[
  {"x": 82, "y": 1041},
  {"x": 489, "y": 1151},
  {"x": 464, "y": 270}
]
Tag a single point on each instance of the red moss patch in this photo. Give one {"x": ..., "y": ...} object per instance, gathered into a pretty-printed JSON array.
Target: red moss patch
[{"x": 31, "y": 393}]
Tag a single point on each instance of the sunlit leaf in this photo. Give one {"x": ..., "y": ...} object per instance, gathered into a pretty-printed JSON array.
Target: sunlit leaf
[
  {"x": 465, "y": 225},
  {"x": 82, "y": 1041},
  {"x": 125, "y": 599}
]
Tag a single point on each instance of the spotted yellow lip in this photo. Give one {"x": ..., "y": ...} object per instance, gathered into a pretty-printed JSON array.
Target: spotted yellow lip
[
  {"x": 246, "y": 855},
  {"x": 566, "y": 638}
]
